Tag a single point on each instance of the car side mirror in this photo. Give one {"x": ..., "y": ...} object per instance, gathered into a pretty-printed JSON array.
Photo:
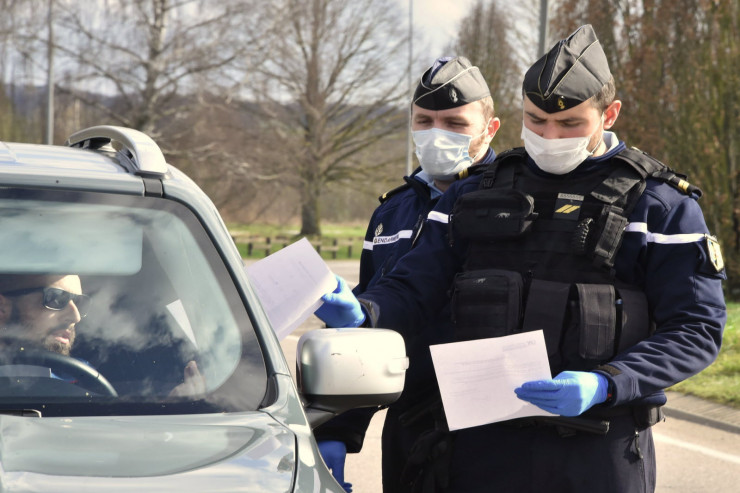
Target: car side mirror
[{"x": 342, "y": 369}]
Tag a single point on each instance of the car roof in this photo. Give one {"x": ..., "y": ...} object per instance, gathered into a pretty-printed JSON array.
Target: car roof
[{"x": 102, "y": 158}]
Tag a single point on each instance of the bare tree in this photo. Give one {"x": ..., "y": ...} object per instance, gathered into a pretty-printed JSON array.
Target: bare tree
[
  {"x": 675, "y": 68},
  {"x": 12, "y": 125},
  {"x": 489, "y": 38},
  {"x": 143, "y": 54},
  {"x": 329, "y": 95},
  {"x": 148, "y": 64}
]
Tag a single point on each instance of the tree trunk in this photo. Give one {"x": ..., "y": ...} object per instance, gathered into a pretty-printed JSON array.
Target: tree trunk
[{"x": 310, "y": 210}]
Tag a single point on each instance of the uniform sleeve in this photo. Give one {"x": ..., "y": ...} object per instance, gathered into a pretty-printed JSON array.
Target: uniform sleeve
[
  {"x": 683, "y": 284},
  {"x": 416, "y": 289},
  {"x": 367, "y": 267},
  {"x": 349, "y": 427}
]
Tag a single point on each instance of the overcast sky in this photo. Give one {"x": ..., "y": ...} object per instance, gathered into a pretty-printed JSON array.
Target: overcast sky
[{"x": 437, "y": 21}]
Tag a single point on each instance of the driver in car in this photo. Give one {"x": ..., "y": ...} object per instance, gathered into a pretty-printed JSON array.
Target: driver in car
[{"x": 42, "y": 312}]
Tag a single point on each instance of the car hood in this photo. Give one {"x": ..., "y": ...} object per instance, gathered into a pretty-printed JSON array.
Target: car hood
[{"x": 223, "y": 452}]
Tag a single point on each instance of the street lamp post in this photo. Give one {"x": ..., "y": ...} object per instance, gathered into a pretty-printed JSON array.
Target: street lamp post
[
  {"x": 409, "y": 140},
  {"x": 543, "y": 28},
  {"x": 50, "y": 77}
]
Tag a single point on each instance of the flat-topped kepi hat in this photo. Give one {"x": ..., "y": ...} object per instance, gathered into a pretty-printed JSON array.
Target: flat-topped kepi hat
[
  {"x": 449, "y": 83},
  {"x": 573, "y": 71}
]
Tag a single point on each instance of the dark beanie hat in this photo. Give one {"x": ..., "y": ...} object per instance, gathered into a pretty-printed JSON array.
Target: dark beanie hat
[
  {"x": 573, "y": 71},
  {"x": 449, "y": 83}
]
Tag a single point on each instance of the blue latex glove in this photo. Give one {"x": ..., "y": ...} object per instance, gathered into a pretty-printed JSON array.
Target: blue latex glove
[
  {"x": 568, "y": 394},
  {"x": 341, "y": 308},
  {"x": 334, "y": 453}
]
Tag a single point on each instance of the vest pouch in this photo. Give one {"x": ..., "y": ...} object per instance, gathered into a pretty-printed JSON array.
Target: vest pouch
[
  {"x": 635, "y": 318},
  {"x": 492, "y": 214},
  {"x": 547, "y": 303},
  {"x": 597, "y": 323},
  {"x": 486, "y": 303}
]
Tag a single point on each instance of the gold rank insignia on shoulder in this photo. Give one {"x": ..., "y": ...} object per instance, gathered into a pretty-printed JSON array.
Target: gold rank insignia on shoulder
[{"x": 715, "y": 254}]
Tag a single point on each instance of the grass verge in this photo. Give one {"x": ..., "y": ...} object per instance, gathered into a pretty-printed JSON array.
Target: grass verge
[
  {"x": 720, "y": 382},
  {"x": 336, "y": 241}
]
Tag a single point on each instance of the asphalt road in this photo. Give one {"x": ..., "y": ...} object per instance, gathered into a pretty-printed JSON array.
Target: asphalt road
[{"x": 692, "y": 458}]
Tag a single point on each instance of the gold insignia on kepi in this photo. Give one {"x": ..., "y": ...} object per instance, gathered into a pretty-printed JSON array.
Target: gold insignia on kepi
[{"x": 715, "y": 255}]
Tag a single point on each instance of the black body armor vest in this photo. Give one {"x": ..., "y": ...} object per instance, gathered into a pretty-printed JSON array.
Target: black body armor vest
[{"x": 542, "y": 254}]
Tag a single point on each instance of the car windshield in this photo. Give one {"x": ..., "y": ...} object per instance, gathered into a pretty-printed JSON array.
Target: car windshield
[{"x": 114, "y": 304}]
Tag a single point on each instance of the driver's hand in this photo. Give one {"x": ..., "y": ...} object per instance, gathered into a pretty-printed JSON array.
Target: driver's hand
[{"x": 194, "y": 383}]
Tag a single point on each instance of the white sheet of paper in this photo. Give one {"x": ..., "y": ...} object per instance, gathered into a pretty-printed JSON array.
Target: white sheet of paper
[
  {"x": 477, "y": 378},
  {"x": 290, "y": 283},
  {"x": 177, "y": 310}
]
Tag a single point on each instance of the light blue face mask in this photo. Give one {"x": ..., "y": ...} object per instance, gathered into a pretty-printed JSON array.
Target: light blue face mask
[{"x": 443, "y": 154}]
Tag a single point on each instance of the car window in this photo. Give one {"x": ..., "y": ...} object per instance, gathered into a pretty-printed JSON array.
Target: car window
[{"x": 165, "y": 326}]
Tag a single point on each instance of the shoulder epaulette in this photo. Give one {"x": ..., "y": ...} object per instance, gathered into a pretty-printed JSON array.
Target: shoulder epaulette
[
  {"x": 411, "y": 182},
  {"x": 393, "y": 191},
  {"x": 647, "y": 165},
  {"x": 473, "y": 170}
]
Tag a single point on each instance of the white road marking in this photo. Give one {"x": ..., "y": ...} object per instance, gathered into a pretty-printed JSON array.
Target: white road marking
[{"x": 697, "y": 448}]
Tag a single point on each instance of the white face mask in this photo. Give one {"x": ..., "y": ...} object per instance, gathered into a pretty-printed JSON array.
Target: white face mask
[
  {"x": 557, "y": 156},
  {"x": 443, "y": 154}
]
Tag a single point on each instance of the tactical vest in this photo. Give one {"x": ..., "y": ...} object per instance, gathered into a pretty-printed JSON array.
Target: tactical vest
[{"x": 542, "y": 253}]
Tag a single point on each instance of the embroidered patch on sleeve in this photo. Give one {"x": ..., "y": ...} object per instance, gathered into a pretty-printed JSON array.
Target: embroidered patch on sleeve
[{"x": 715, "y": 254}]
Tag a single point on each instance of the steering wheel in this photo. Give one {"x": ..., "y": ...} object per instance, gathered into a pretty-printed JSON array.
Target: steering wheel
[{"x": 86, "y": 376}]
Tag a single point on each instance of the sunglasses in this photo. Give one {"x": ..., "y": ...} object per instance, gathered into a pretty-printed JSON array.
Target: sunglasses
[{"x": 57, "y": 299}]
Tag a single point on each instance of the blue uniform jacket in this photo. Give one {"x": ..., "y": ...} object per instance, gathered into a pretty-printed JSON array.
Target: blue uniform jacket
[
  {"x": 665, "y": 251},
  {"x": 390, "y": 235},
  {"x": 392, "y": 229},
  {"x": 394, "y": 226}
]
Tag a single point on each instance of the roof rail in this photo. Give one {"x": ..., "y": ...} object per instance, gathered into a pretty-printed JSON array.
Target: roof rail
[{"x": 147, "y": 156}]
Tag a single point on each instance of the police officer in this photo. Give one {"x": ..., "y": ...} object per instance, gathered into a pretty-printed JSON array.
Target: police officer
[
  {"x": 603, "y": 248},
  {"x": 452, "y": 123}
]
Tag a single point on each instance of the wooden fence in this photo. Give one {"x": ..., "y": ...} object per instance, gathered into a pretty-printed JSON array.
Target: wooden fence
[{"x": 262, "y": 246}]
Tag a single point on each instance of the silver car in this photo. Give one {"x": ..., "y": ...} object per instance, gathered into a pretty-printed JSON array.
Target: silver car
[{"x": 134, "y": 355}]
